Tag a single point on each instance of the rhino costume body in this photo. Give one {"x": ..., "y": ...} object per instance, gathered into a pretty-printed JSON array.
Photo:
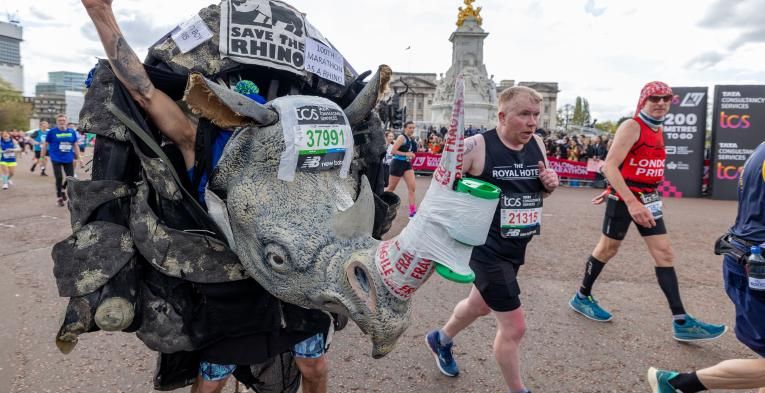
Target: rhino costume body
[
  {"x": 142, "y": 245},
  {"x": 307, "y": 241}
]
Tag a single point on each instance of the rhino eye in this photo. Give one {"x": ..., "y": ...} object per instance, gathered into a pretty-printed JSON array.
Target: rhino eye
[
  {"x": 276, "y": 256},
  {"x": 361, "y": 278}
]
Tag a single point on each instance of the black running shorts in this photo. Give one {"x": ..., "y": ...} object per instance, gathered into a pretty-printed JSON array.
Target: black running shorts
[
  {"x": 398, "y": 167},
  {"x": 497, "y": 280},
  {"x": 618, "y": 219}
]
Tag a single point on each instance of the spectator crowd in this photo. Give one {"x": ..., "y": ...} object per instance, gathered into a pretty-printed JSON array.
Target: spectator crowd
[
  {"x": 559, "y": 145},
  {"x": 577, "y": 147}
]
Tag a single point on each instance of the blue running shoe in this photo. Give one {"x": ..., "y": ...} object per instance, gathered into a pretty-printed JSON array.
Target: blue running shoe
[
  {"x": 589, "y": 307},
  {"x": 694, "y": 330},
  {"x": 659, "y": 380},
  {"x": 443, "y": 354}
]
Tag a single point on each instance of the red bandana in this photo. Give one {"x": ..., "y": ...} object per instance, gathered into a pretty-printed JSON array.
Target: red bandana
[{"x": 655, "y": 88}]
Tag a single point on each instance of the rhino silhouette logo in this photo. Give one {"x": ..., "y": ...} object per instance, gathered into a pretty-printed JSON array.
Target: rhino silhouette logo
[{"x": 266, "y": 14}]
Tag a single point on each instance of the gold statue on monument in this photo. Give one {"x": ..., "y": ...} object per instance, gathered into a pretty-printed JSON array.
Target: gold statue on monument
[{"x": 469, "y": 11}]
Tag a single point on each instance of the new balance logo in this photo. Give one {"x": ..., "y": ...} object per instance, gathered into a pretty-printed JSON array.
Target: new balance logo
[
  {"x": 311, "y": 162},
  {"x": 692, "y": 99}
]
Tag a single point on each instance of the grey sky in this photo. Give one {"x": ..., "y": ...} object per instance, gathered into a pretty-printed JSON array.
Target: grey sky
[{"x": 602, "y": 50}]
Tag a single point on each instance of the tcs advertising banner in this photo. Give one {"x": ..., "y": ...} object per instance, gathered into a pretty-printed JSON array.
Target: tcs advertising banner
[
  {"x": 684, "y": 134},
  {"x": 739, "y": 126}
]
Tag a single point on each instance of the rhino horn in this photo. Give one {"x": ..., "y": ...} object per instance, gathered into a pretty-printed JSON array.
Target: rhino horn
[
  {"x": 358, "y": 219},
  {"x": 224, "y": 107},
  {"x": 366, "y": 100}
]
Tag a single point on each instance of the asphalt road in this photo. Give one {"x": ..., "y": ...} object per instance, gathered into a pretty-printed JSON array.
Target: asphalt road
[{"x": 562, "y": 351}]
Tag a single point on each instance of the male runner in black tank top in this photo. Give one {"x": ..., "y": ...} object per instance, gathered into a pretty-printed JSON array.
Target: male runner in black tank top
[{"x": 513, "y": 158}]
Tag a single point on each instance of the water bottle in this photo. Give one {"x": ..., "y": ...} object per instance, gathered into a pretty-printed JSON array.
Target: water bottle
[{"x": 756, "y": 270}]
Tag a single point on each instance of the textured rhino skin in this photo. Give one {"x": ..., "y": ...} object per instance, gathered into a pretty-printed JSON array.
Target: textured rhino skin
[
  {"x": 91, "y": 256},
  {"x": 273, "y": 219},
  {"x": 284, "y": 235},
  {"x": 95, "y": 116}
]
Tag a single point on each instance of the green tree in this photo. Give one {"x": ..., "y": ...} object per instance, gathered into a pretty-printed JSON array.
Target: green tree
[
  {"x": 578, "y": 114},
  {"x": 564, "y": 116},
  {"x": 607, "y": 126},
  {"x": 586, "y": 118},
  {"x": 14, "y": 113},
  {"x": 581, "y": 112}
]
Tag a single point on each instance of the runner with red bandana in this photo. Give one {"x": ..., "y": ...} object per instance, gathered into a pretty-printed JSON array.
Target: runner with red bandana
[{"x": 634, "y": 168}]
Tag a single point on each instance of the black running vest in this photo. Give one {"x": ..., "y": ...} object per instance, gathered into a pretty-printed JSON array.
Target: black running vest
[
  {"x": 516, "y": 173},
  {"x": 408, "y": 146}
]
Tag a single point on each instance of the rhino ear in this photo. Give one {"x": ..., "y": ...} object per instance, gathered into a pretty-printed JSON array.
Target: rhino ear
[
  {"x": 217, "y": 210},
  {"x": 225, "y": 108},
  {"x": 359, "y": 218},
  {"x": 368, "y": 97}
]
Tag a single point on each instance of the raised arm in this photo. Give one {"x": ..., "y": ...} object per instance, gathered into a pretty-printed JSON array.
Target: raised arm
[{"x": 129, "y": 70}]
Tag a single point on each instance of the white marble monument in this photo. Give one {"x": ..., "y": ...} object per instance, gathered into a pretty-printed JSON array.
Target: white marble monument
[{"x": 467, "y": 58}]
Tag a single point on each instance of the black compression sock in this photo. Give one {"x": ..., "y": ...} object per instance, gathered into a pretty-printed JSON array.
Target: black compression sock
[
  {"x": 591, "y": 272},
  {"x": 687, "y": 383},
  {"x": 668, "y": 283}
]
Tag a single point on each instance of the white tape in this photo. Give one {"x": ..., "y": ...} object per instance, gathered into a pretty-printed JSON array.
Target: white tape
[
  {"x": 447, "y": 225},
  {"x": 191, "y": 34},
  {"x": 317, "y": 136}
]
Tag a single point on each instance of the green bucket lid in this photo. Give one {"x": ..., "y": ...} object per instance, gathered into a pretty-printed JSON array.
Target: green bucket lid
[
  {"x": 478, "y": 188},
  {"x": 451, "y": 275}
]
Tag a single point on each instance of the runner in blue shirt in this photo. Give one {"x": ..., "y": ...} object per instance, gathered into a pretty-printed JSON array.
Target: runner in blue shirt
[
  {"x": 61, "y": 143},
  {"x": 38, "y": 136},
  {"x": 8, "y": 158},
  {"x": 748, "y": 230}
]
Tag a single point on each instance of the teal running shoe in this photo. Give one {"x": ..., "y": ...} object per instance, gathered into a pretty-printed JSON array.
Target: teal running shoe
[
  {"x": 694, "y": 330},
  {"x": 659, "y": 380},
  {"x": 589, "y": 307}
]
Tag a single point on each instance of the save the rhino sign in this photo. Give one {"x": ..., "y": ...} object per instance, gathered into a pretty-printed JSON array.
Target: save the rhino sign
[{"x": 268, "y": 33}]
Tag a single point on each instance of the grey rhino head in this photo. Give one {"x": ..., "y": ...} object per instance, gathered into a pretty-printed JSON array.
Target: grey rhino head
[
  {"x": 293, "y": 238},
  {"x": 307, "y": 241}
]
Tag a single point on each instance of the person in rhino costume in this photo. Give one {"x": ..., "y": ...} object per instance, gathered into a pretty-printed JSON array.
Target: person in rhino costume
[{"x": 177, "y": 127}]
